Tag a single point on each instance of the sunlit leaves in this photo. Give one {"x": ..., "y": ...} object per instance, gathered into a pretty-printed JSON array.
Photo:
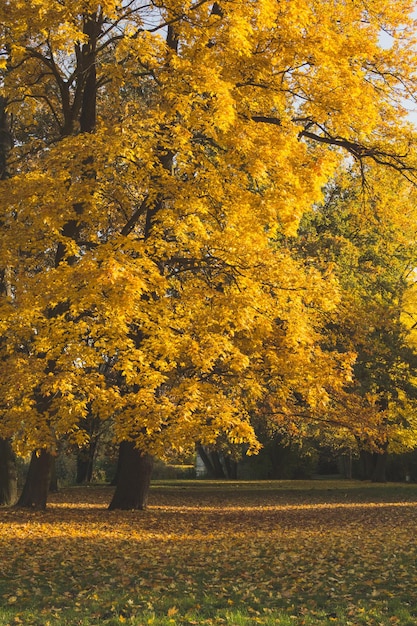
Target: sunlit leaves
[
  {"x": 367, "y": 233},
  {"x": 151, "y": 281}
]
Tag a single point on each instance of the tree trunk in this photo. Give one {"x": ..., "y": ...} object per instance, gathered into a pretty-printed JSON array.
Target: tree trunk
[
  {"x": 217, "y": 464},
  {"x": 211, "y": 462},
  {"x": 6, "y": 140},
  {"x": 53, "y": 481},
  {"x": 206, "y": 461},
  {"x": 8, "y": 475},
  {"x": 36, "y": 487},
  {"x": 380, "y": 467},
  {"x": 374, "y": 466},
  {"x": 84, "y": 468},
  {"x": 134, "y": 478},
  {"x": 366, "y": 465},
  {"x": 345, "y": 465},
  {"x": 85, "y": 462},
  {"x": 231, "y": 467}
]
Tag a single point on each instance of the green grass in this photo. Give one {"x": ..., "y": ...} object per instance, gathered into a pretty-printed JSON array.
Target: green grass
[{"x": 210, "y": 552}]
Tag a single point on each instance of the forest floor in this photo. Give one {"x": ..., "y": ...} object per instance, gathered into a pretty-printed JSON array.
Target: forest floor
[{"x": 204, "y": 552}]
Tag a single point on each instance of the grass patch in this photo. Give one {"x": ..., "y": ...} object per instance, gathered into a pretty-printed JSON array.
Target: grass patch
[{"x": 236, "y": 553}]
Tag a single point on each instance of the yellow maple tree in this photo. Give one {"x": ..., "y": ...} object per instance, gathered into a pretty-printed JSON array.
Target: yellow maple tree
[{"x": 159, "y": 154}]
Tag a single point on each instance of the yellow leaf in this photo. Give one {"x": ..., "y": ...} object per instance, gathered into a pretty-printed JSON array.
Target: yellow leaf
[{"x": 172, "y": 611}]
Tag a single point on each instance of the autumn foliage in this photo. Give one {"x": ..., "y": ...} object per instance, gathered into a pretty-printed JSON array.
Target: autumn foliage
[
  {"x": 248, "y": 553},
  {"x": 156, "y": 160}
]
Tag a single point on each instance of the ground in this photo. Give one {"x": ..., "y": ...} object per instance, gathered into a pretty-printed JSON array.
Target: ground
[{"x": 236, "y": 553}]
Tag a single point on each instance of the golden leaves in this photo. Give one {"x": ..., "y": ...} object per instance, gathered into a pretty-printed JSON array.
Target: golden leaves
[
  {"x": 269, "y": 550},
  {"x": 151, "y": 278}
]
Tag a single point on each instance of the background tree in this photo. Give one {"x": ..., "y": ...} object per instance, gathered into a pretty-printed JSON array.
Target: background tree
[{"x": 367, "y": 232}]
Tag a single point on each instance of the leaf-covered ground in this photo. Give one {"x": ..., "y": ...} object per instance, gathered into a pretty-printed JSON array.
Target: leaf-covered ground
[{"x": 215, "y": 553}]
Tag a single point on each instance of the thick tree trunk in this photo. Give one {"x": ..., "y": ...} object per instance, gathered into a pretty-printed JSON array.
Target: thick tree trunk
[
  {"x": 134, "y": 478},
  {"x": 84, "y": 469},
  {"x": 8, "y": 475},
  {"x": 345, "y": 465},
  {"x": 36, "y": 487}
]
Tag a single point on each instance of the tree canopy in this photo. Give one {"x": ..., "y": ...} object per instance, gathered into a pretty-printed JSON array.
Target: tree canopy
[
  {"x": 368, "y": 235},
  {"x": 157, "y": 156}
]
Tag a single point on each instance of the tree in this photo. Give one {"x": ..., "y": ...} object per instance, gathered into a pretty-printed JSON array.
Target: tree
[
  {"x": 135, "y": 469},
  {"x": 367, "y": 232},
  {"x": 8, "y": 478},
  {"x": 218, "y": 462},
  {"x": 82, "y": 112},
  {"x": 86, "y": 454},
  {"x": 161, "y": 153}
]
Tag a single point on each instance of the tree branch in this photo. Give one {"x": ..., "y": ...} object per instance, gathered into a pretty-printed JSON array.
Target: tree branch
[{"x": 131, "y": 223}]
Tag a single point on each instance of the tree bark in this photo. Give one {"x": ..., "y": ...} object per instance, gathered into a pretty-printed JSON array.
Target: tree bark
[
  {"x": 211, "y": 462},
  {"x": 366, "y": 464},
  {"x": 374, "y": 466},
  {"x": 6, "y": 140},
  {"x": 231, "y": 467},
  {"x": 380, "y": 467},
  {"x": 85, "y": 462},
  {"x": 53, "y": 480},
  {"x": 134, "y": 478},
  {"x": 344, "y": 465},
  {"x": 84, "y": 468},
  {"x": 36, "y": 487},
  {"x": 8, "y": 475},
  {"x": 217, "y": 464}
]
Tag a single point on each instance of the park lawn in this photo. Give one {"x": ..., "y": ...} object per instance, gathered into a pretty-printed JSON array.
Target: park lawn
[{"x": 236, "y": 553}]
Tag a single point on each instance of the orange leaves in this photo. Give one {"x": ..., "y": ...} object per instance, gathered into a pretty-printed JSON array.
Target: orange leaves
[{"x": 172, "y": 611}]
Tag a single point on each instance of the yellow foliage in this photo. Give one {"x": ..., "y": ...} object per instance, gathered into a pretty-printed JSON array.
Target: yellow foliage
[{"x": 155, "y": 176}]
